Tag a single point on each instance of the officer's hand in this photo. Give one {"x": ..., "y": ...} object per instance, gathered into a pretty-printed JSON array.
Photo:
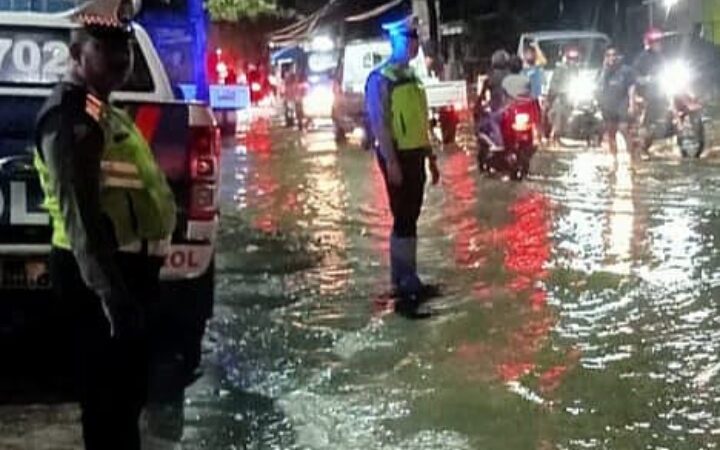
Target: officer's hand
[
  {"x": 125, "y": 317},
  {"x": 394, "y": 172},
  {"x": 434, "y": 171}
]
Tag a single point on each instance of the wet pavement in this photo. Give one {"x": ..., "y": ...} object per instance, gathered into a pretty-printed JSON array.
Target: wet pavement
[{"x": 579, "y": 308}]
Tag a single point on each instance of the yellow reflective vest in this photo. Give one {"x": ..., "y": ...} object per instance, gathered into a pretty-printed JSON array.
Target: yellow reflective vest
[
  {"x": 134, "y": 193},
  {"x": 409, "y": 109}
]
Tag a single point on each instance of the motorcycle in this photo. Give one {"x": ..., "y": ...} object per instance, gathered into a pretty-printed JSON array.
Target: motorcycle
[
  {"x": 685, "y": 111},
  {"x": 582, "y": 117},
  {"x": 519, "y": 125}
]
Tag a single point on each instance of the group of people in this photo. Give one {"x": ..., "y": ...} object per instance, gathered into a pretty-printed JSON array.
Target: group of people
[
  {"x": 511, "y": 78},
  {"x": 621, "y": 89}
]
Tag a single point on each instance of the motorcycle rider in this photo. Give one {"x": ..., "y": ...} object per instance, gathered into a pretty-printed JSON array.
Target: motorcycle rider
[
  {"x": 492, "y": 98},
  {"x": 647, "y": 89},
  {"x": 293, "y": 93},
  {"x": 516, "y": 85},
  {"x": 559, "y": 107},
  {"x": 616, "y": 81}
]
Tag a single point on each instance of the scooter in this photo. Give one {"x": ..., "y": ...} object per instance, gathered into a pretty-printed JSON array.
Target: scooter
[
  {"x": 687, "y": 121},
  {"x": 685, "y": 112},
  {"x": 519, "y": 126},
  {"x": 583, "y": 119}
]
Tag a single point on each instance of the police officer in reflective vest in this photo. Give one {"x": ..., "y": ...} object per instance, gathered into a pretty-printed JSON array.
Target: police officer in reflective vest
[
  {"x": 112, "y": 216},
  {"x": 397, "y": 109}
]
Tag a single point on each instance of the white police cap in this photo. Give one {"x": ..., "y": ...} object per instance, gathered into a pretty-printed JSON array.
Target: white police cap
[{"x": 106, "y": 15}]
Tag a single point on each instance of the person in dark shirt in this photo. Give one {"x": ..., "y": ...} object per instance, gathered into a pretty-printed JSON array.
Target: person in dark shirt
[
  {"x": 616, "y": 82},
  {"x": 488, "y": 109}
]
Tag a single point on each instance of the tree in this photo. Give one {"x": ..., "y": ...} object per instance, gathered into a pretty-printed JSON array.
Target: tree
[{"x": 233, "y": 10}]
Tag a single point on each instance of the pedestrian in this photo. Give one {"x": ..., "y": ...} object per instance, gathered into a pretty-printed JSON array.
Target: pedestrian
[
  {"x": 616, "y": 85},
  {"x": 399, "y": 118},
  {"x": 112, "y": 215}
]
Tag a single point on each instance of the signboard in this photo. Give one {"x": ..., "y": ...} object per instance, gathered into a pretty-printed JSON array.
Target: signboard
[{"x": 229, "y": 96}]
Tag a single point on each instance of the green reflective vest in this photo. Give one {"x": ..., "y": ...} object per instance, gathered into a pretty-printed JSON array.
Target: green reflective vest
[
  {"x": 134, "y": 193},
  {"x": 408, "y": 102}
]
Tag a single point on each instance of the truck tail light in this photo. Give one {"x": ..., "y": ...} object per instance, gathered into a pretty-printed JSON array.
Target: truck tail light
[{"x": 204, "y": 169}]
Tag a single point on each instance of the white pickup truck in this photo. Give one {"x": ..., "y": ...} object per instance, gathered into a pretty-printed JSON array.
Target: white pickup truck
[
  {"x": 34, "y": 51},
  {"x": 445, "y": 98}
]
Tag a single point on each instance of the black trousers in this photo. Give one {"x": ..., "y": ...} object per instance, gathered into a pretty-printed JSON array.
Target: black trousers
[
  {"x": 407, "y": 199},
  {"x": 111, "y": 375}
]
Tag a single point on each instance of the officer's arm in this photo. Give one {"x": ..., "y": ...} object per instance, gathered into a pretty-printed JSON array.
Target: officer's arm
[
  {"x": 72, "y": 148},
  {"x": 377, "y": 105}
]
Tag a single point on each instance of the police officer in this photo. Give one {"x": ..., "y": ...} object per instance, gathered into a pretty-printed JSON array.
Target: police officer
[
  {"x": 112, "y": 216},
  {"x": 398, "y": 114}
]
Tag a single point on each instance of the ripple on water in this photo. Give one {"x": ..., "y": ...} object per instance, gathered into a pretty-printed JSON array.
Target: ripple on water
[{"x": 580, "y": 309}]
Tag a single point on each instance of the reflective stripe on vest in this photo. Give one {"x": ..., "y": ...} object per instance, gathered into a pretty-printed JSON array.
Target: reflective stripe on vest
[
  {"x": 134, "y": 193},
  {"x": 408, "y": 102},
  {"x": 119, "y": 174}
]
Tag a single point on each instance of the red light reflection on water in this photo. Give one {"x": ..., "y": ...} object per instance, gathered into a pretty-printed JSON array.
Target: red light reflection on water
[
  {"x": 527, "y": 249},
  {"x": 264, "y": 191}
]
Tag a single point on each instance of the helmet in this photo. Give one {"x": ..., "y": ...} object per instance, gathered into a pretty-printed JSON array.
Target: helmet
[
  {"x": 652, "y": 36},
  {"x": 500, "y": 59}
]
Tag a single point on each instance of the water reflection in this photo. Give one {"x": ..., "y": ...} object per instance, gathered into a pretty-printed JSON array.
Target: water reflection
[{"x": 579, "y": 308}]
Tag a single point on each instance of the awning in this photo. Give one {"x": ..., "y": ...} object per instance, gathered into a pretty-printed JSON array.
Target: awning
[{"x": 375, "y": 12}]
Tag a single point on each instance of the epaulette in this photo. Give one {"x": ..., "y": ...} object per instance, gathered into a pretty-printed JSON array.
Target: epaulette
[{"x": 93, "y": 107}]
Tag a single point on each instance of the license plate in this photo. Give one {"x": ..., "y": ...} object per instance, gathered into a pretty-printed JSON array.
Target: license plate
[
  {"x": 32, "y": 55},
  {"x": 24, "y": 274}
]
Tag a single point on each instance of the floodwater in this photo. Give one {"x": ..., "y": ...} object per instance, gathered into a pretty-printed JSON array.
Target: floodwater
[{"x": 580, "y": 308}]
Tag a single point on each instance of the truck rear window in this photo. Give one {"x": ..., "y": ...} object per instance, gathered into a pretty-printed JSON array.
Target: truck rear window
[{"x": 39, "y": 57}]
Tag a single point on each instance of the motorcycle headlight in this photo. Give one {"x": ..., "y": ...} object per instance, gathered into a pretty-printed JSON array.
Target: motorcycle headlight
[
  {"x": 581, "y": 88},
  {"x": 319, "y": 98},
  {"x": 675, "y": 78}
]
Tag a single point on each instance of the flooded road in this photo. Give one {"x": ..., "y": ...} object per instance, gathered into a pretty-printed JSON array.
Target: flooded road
[{"x": 579, "y": 308}]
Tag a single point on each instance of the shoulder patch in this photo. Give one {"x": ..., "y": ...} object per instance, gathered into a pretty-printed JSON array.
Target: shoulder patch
[{"x": 93, "y": 107}]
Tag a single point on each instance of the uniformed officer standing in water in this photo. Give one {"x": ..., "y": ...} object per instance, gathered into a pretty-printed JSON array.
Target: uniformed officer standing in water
[
  {"x": 397, "y": 109},
  {"x": 112, "y": 216}
]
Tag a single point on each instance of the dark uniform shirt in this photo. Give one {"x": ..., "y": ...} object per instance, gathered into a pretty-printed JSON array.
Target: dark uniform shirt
[
  {"x": 71, "y": 143},
  {"x": 647, "y": 67},
  {"x": 615, "y": 88}
]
